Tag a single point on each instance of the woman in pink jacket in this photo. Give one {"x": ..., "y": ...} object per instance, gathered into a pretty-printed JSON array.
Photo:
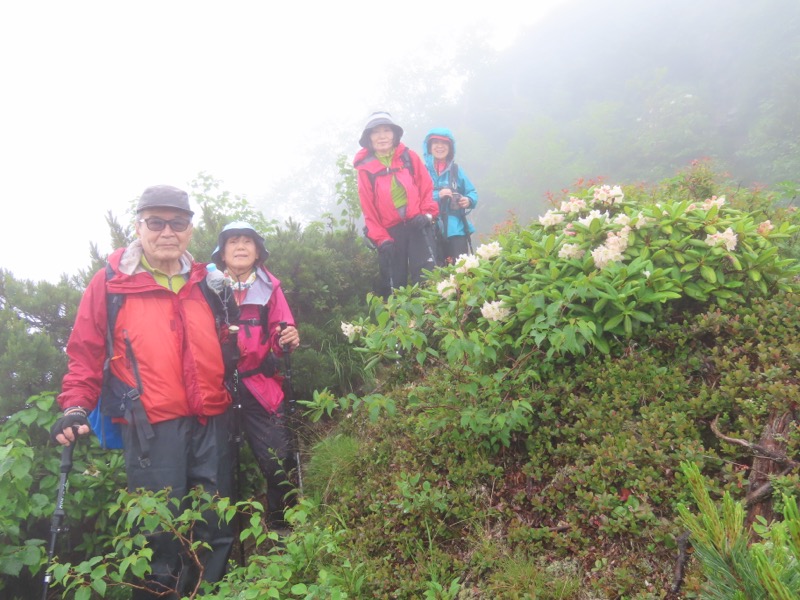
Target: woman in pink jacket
[
  {"x": 396, "y": 195},
  {"x": 240, "y": 253}
]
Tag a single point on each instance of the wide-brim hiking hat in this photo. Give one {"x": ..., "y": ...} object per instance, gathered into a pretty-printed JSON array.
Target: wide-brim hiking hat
[
  {"x": 380, "y": 118},
  {"x": 164, "y": 196},
  {"x": 239, "y": 228}
]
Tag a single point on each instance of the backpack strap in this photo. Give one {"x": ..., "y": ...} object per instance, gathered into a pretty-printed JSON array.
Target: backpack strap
[
  {"x": 113, "y": 304},
  {"x": 408, "y": 164},
  {"x": 226, "y": 313},
  {"x": 405, "y": 157},
  {"x": 461, "y": 213},
  {"x": 268, "y": 365},
  {"x": 262, "y": 321},
  {"x": 133, "y": 409}
]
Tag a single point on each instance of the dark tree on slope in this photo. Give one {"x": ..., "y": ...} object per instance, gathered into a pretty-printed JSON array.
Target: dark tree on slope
[{"x": 35, "y": 323}]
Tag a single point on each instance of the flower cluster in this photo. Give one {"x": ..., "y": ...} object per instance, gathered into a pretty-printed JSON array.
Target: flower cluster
[
  {"x": 351, "y": 330},
  {"x": 573, "y": 205},
  {"x": 551, "y": 218},
  {"x": 465, "y": 262},
  {"x": 727, "y": 238},
  {"x": 593, "y": 214},
  {"x": 713, "y": 201},
  {"x": 611, "y": 251},
  {"x": 607, "y": 195},
  {"x": 447, "y": 287},
  {"x": 489, "y": 251},
  {"x": 570, "y": 251},
  {"x": 765, "y": 227},
  {"x": 495, "y": 311}
]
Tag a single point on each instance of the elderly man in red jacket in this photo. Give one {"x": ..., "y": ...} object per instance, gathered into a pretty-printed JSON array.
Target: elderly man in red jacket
[{"x": 166, "y": 346}]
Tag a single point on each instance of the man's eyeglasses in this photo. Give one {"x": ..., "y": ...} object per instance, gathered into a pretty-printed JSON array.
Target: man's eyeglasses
[{"x": 158, "y": 224}]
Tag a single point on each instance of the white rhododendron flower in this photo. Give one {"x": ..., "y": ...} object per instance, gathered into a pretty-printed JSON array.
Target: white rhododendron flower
[
  {"x": 465, "y": 262},
  {"x": 604, "y": 256},
  {"x": 618, "y": 241},
  {"x": 611, "y": 251},
  {"x": 608, "y": 195},
  {"x": 641, "y": 221},
  {"x": 447, "y": 287},
  {"x": 495, "y": 311},
  {"x": 622, "y": 219},
  {"x": 713, "y": 201},
  {"x": 765, "y": 227},
  {"x": 727, "y": 238},
  {"x": 573, "y": 205},
  {"x": 551, "y": 218},
  {"x": 489, "y": 251},
  {"x": 350, "y": 330},
  {"x": 569, "y": 251},
  {"x": 646, "y": 274},
  {"x": 601, "y": 194},
  {"x": 595, "y": 214}
]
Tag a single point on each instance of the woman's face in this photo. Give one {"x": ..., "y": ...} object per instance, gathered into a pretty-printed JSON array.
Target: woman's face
[
  {"x": 240, "y": 254},
  {"x": 382, "y": 139},
  {"x": 440, "y": 149}
]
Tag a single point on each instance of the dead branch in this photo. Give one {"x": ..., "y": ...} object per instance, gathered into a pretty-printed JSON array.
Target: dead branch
[
  {"x": 756, "y": 449},
  {"x": 680, "y": 566}
]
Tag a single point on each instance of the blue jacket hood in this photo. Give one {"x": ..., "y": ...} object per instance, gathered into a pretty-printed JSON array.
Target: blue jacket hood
[{"x": 426, "y": 146}]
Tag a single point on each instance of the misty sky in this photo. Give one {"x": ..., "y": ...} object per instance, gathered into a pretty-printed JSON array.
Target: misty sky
[{"x": 103, "y": 99}]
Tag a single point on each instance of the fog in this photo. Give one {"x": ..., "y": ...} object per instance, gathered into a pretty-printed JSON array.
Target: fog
[
  {"x": 622, "y": 90},
  {"x": 631, "y": 92}
]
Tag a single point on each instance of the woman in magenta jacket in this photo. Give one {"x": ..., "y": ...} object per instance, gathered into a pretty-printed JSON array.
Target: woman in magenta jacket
[
  {"x": 396, "y": 195},
  {"x": 240, "y": 253}
]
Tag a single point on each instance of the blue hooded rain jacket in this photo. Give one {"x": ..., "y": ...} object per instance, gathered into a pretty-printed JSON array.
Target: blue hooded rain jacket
[{"x": 462, "y": 185}]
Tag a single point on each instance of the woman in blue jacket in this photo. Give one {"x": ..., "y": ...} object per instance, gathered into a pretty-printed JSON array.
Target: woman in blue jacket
[{"x": 452, "y": 190}]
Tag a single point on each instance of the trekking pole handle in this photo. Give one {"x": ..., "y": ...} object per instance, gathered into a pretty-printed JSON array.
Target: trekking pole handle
[
  {"x": 285, "y": 347},
  {"x": 66, "y": 455}
]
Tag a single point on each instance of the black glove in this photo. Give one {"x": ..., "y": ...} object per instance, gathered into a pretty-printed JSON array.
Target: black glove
[
  {"x": 421, "y": 221},
  {"x": 73, "y": 417},
  {"x": 386, "y": 248}
]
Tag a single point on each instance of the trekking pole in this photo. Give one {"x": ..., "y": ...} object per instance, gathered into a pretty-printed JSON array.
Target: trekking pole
[
  {"x": 57, "y": 522},
  {"x": 288, "y": 392},
  {"x": 428, "y": 235},
  {"x": 238, "y": 439}
]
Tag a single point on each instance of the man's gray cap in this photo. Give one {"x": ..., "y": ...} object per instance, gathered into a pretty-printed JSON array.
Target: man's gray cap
[{"x": 164, "y": 196}]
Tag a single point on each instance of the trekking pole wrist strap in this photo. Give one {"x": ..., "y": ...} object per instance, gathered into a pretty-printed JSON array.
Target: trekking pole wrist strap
[{"x": 72, "y": 410}]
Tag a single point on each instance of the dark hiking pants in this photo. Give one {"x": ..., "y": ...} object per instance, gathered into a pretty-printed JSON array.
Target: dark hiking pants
[
  {"x": 184, "y": 454},
  {"x": 414, "y": 249},
  {"x": 456, "y": 245},
  {"x": 270, "y": 438}
]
